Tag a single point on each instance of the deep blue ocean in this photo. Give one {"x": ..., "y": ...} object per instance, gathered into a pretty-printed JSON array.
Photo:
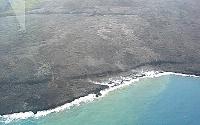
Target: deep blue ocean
[{"x": 165, "y": 100}]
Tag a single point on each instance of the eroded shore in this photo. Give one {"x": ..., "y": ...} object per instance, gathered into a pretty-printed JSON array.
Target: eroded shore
[
  {"x": 67, "y": 44},
  {"x": 114, "y": 83}
]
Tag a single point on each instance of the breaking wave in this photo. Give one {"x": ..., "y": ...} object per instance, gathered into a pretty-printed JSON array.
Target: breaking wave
[{"x": 116, "y": 84}]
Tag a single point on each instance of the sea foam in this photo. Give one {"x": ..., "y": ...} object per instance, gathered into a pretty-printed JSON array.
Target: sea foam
[
  {"x": 116, "y": 84},
  {"x": 15, "y": 116}
]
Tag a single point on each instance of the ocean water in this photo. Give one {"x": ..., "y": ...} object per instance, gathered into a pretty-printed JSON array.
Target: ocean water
[{"x": 164, "y": 100}]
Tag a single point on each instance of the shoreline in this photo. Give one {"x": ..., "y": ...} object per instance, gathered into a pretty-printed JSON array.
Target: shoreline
[{"x": 121, "y": 82}]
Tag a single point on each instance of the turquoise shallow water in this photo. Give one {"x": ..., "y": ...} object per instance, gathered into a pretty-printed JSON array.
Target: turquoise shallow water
[{"x": 166, "y": 100}]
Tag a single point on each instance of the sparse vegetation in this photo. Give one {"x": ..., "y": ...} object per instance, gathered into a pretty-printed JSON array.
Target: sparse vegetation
[{"x": 68, "y": 41}]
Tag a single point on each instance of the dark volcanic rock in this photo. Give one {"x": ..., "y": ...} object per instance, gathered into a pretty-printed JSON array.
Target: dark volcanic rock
[
  {"x": 43, "y": 96},
  {"x": 67, "y": 42}
]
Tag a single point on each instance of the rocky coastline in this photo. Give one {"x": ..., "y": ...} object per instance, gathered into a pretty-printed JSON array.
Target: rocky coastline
[{"x": 68, "y": 44}]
